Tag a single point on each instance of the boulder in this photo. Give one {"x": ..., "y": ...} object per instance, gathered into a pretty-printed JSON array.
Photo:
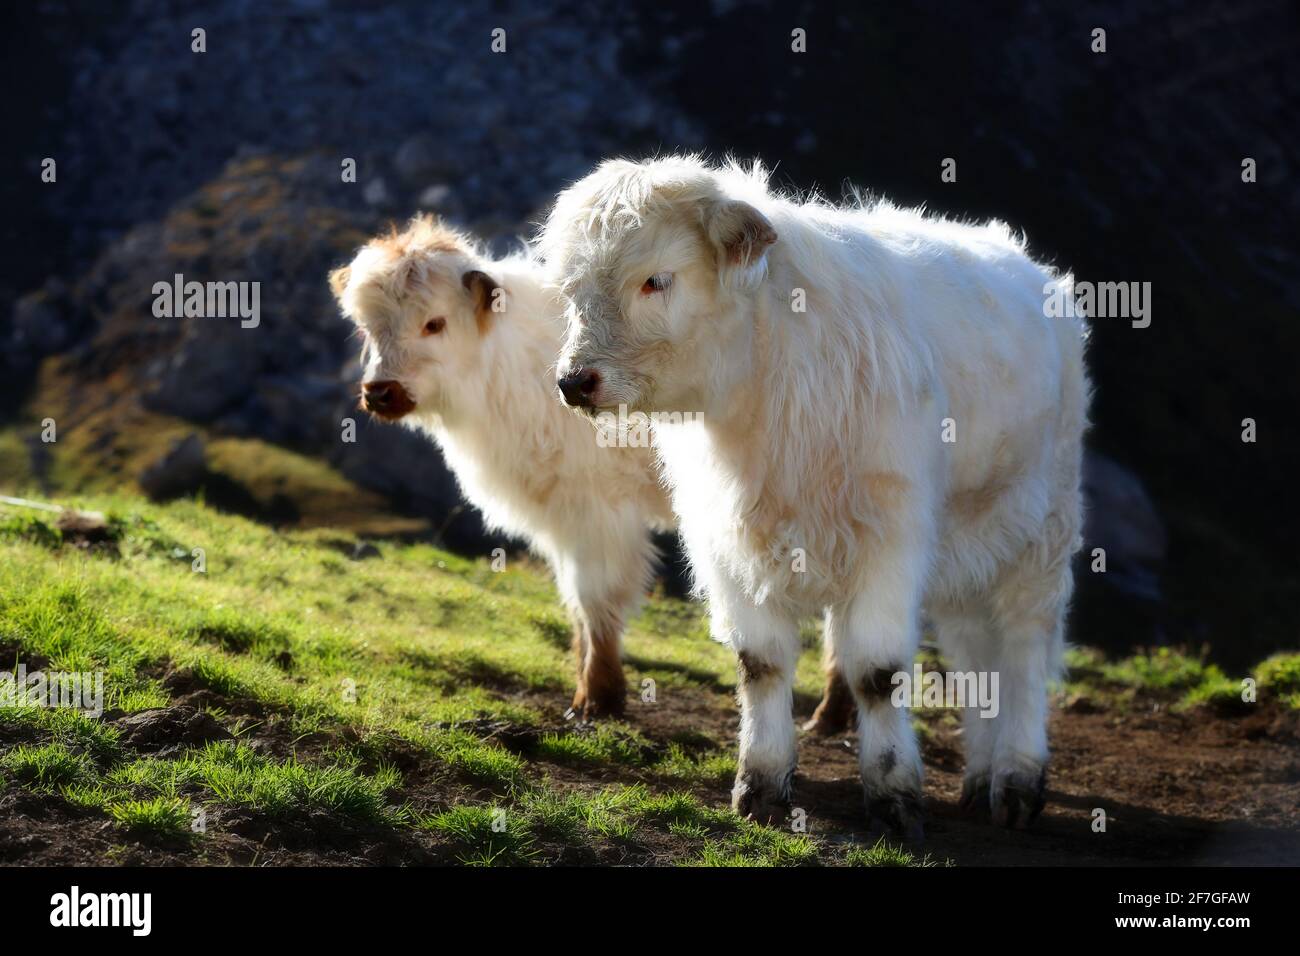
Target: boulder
[
  {"x": 43, "y": 322},
  {"x": 180, "y": 471}
]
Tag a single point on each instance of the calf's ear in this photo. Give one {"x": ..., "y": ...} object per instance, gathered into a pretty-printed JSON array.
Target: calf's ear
[
  {"x": 339, "y": 280},
  {"x": 486, "y": 295},
  {"x": 742, "y": 235}
]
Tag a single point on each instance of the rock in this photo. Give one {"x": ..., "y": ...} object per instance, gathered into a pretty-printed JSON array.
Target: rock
[
  {"x": 180, "y": 471},
  {"x": 289, "y": 380},
  {"x": 42, "y": 322},
  {"x": 1124, "y": 607},
  {"x": 203, "y": 379},
  {"x": 1122, "y": 519},
  {"x": 364, "y": 549},
  {"x": 299, "y": 409},
  {"x": 166, "y": 731}
]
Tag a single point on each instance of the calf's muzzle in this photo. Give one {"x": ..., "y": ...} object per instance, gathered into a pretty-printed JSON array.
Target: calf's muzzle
[{"x": 579, "y": 387}]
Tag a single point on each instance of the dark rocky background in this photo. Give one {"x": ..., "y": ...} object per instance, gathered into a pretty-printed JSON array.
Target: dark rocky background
[{"x": 1124, "y": 166}]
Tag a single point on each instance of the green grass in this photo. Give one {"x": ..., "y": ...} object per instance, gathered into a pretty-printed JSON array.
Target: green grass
[
  {"x": 486, "y": 836},
  {"x": 69, "y": 729},
  {"x": 417, "y": 645},
  {"x": 161, "y": 818},
  {"x": 575, "y": 818},
  {"x": 1279, "y": 676},
  {"x": 46, "y": 767},
  {"x": 1164, "y": 669},
  {"x": 595, "y": 745},
  {"x": 715, "y": 768},
  {"x": 233, "y": 775},
  {"x": 143, "y": 794},
  {"x": 882, "y": 854},
  {"x": 1276, "y": 679},
  {"x": 759, "y": 846},
  {"x": 418, "y": 653},
  {"x": 34, "y": 527},
  {"x": 278, "y": 789},
  {"x": 1181, "y": 679}
]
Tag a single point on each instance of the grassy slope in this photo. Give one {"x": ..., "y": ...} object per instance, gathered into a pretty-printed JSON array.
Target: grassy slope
[
  {"x": 413, "y": 694},
  {"x": 416, "y": 649}
]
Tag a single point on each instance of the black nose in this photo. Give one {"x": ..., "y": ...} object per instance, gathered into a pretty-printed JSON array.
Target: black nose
[
  {"x": 379, "y": 395},
  {"x": 579, "y": 386}
]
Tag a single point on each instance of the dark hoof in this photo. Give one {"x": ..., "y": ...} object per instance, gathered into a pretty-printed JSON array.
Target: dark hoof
[
  {"x": 898, "y": 815},
  {"x": 974, "y": 794},
  {"x": 586, "y": 707},
  {"x": 826, "y": 723},
  {"x": 584, "y": 713},
  {"x": 1017, "y": 799},
  {"x": 764, "y": 803}
]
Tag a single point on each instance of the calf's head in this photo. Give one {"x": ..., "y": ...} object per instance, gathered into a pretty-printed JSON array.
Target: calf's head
[
  {"x": 658, "y": 263},
  {"x": 422, "y": 306}
]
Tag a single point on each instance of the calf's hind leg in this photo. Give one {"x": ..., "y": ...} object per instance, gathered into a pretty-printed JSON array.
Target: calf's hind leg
[
  {"x": 837, "y": 709},
  {"x": 1029, "y": 606},
  {"x": 878, "y": 641},
  {"x": 969, "y": 646},
  {"x": 888, "y": 755},
  {"x": 1017, "y": 787},
  {"x": 597, "y": 645}
]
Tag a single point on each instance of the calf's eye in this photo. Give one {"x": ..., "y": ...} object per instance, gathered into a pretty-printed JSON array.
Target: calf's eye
[
  {"x": 434, "y": 326},
  {"x": 658, "y": 282}
]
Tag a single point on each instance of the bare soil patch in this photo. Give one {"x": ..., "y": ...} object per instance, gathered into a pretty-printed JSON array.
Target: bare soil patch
[{"x": 1177, "y": 788}]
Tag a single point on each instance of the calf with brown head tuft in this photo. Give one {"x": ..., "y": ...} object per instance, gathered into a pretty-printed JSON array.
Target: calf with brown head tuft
[{"x": 463, "y": 348}]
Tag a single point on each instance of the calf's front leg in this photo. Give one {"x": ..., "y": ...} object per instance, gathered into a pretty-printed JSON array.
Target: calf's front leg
[{"x": 767, "y": 649}]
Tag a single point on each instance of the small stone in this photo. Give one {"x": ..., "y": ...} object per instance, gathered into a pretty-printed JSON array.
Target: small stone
[{"x": 364, "y": 549}]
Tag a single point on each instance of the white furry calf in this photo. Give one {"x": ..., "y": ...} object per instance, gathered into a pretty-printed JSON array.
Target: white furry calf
[
  {"x": 464, "y": 349},
  {"x": 889, "y": 425}
]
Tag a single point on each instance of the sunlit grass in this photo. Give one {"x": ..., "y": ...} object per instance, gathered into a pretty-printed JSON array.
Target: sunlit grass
[
  {"x": 1181, "y": 678},
  {"x": 158, "y": 818},
  {"x": 436, "y": 651},
  {"x": 45, "y": 767}
]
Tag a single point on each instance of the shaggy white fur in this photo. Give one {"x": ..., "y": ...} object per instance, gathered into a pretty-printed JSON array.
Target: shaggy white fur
[
  {"x": 889, "y": 423},
  {"x": 463, "y": 348}
]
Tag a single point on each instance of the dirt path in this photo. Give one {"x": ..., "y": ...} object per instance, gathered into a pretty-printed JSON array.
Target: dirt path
[{"x": 1177, "y": 789}]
